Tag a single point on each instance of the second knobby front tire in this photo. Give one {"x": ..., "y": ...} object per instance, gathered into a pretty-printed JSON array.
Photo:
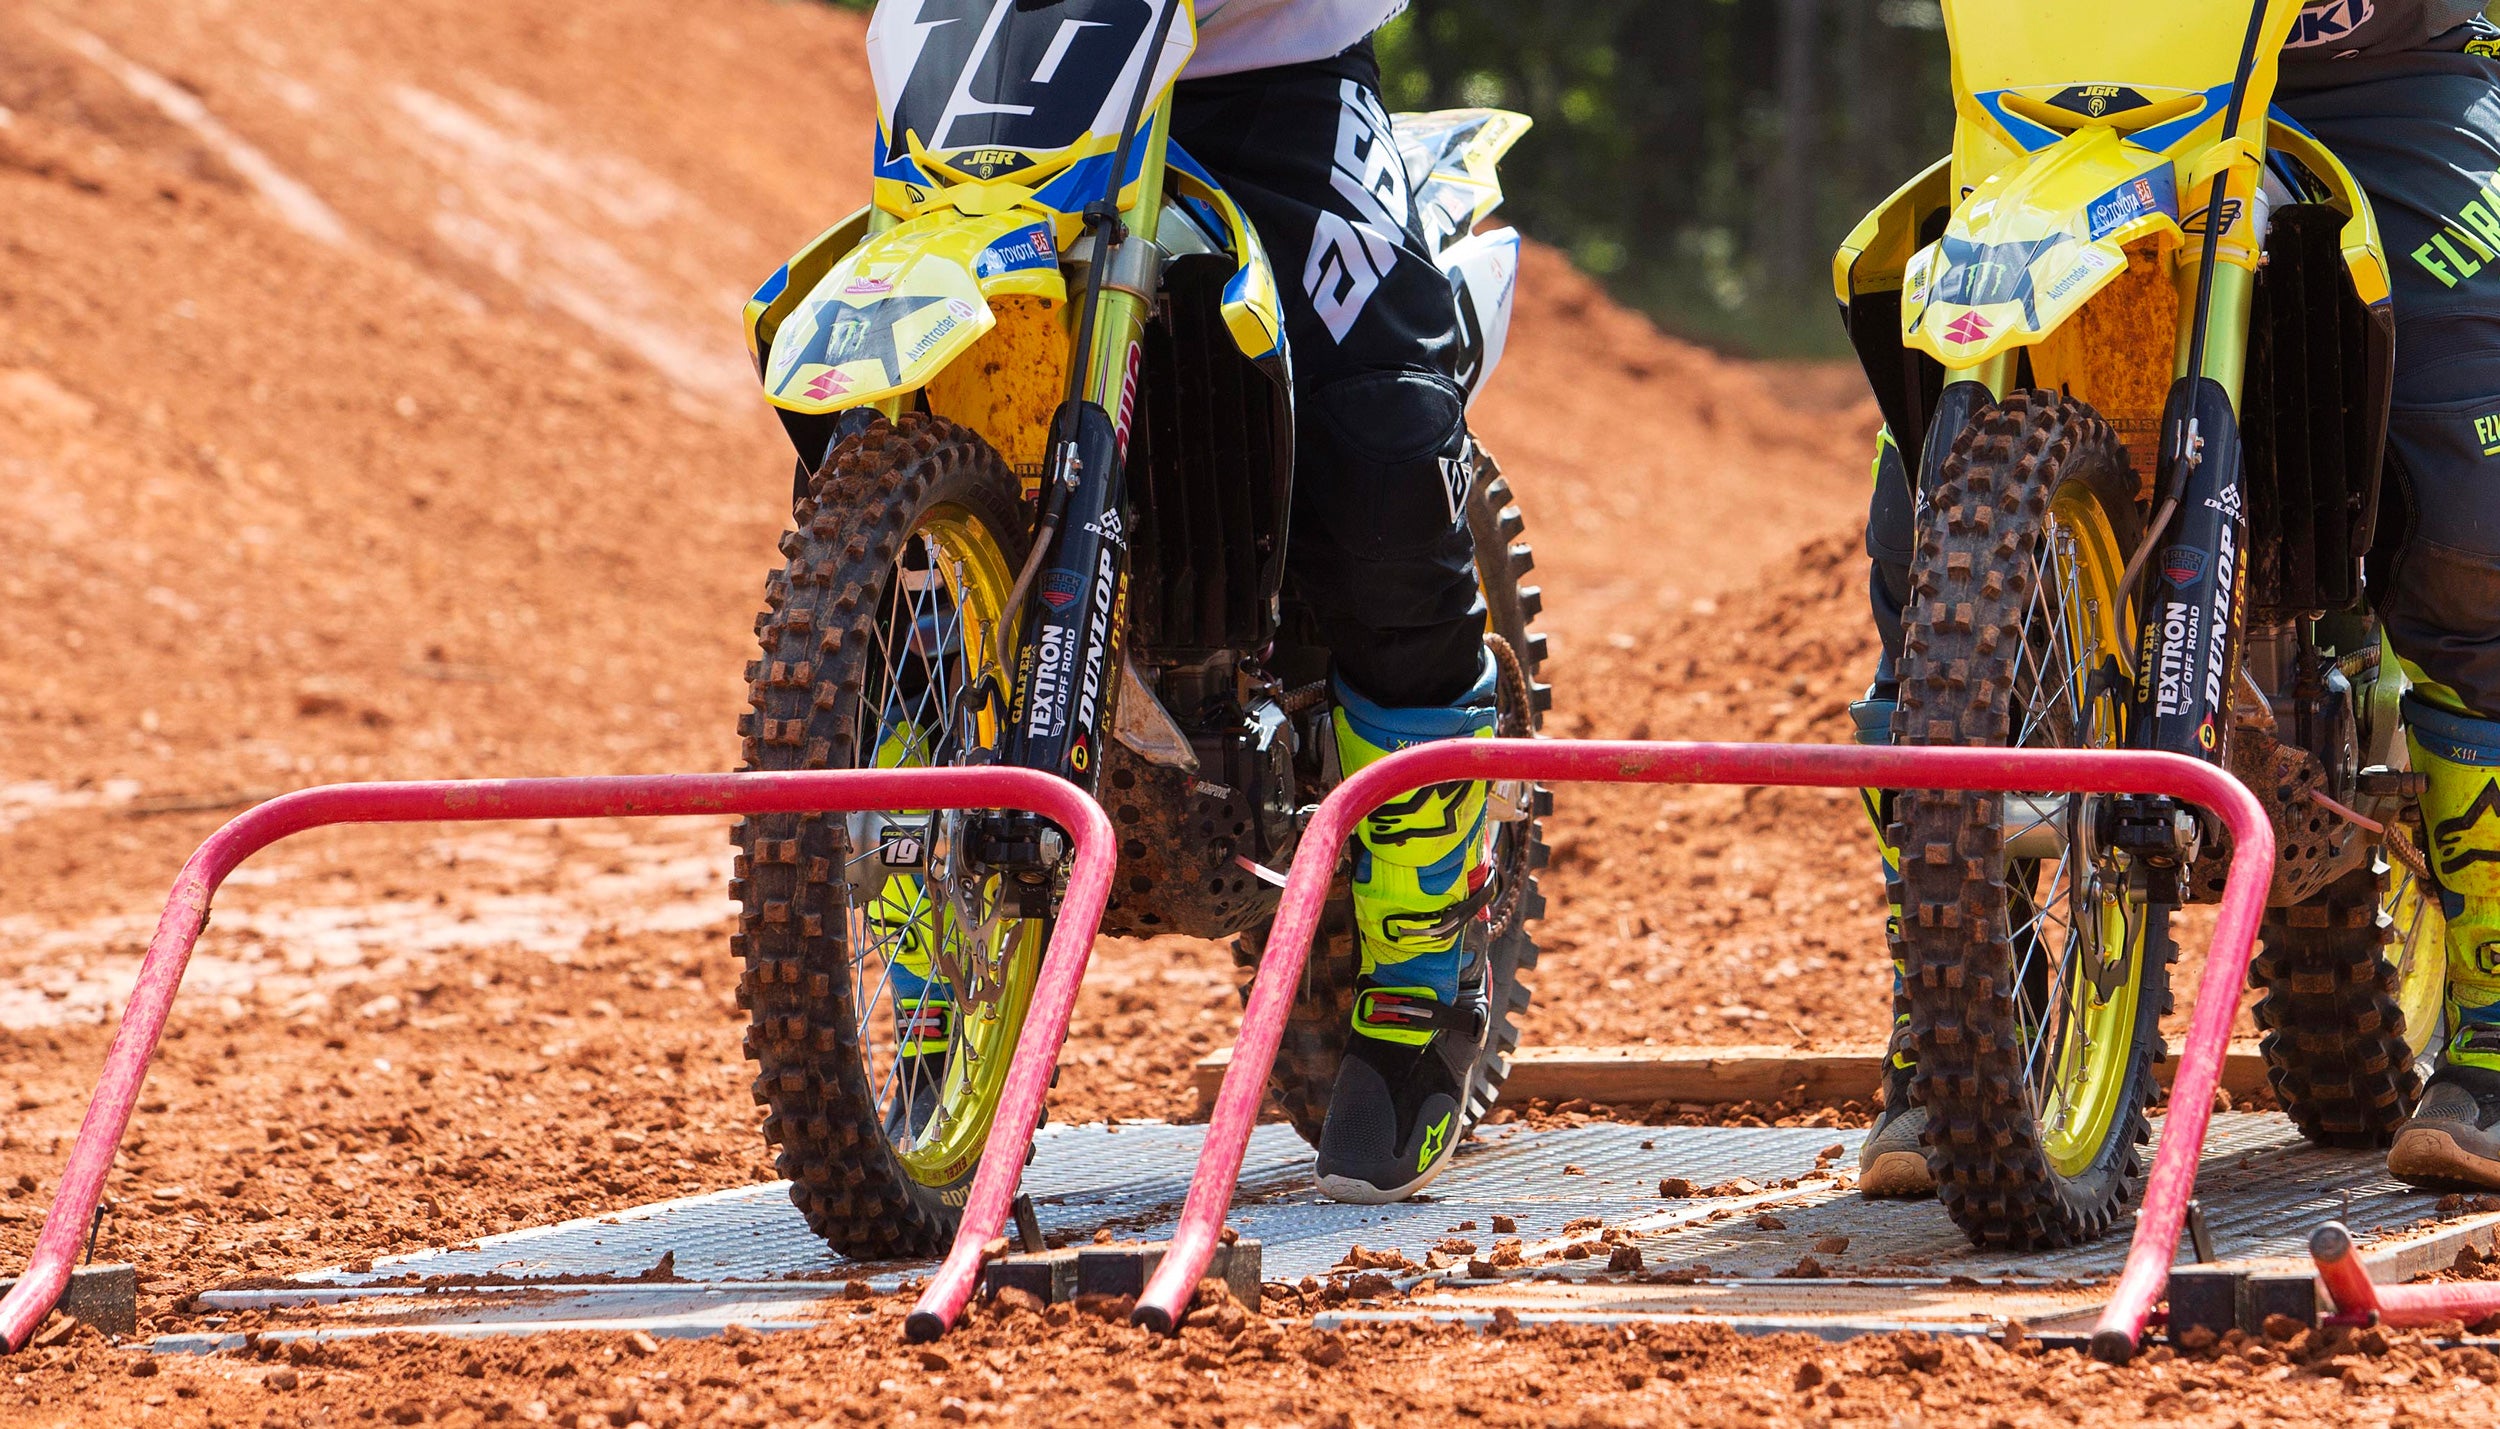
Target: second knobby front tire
[
  {"x": 2036, "y": 981},
  {"x": 885, "y": 979},
  {"x": 2353, "y": 979},
  {"x": 1305, "y": 1071}
]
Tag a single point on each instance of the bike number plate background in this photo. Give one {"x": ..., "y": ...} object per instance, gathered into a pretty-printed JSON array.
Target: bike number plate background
[{"x": 996, "y": 89}]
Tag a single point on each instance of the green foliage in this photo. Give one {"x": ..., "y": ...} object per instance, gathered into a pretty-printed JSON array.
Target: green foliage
[{"x": 1701, "y": 157}]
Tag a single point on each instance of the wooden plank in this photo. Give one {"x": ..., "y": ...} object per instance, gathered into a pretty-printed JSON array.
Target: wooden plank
[{"x": 1709, "y": 1076}]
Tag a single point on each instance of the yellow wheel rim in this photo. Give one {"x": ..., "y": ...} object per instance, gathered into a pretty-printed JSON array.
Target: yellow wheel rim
[
  {"x": 943, "y": 663},
  {"x": 2079, "y": 937}
]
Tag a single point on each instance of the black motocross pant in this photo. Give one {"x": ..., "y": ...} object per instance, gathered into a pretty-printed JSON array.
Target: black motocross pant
[
  {"x": 2421, "y": 133},
  {"x": 1380, "y": 551}
]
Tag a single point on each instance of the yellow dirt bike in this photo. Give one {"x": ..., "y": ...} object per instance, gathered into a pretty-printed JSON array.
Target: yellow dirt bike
[
  {"x": 1041, "y": 395},
  {"x": 2134, "y": 336}
]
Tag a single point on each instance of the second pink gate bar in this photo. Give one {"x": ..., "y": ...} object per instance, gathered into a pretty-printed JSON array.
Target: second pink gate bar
[{"x": 2173, "y": 1180}]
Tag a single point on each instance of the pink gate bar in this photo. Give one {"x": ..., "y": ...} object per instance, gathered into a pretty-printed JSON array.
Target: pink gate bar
[
  {"x": 622, "y": 796},
  {"x": 2360, "y": 1301},
  {"x": 2166, "y": 1194}
]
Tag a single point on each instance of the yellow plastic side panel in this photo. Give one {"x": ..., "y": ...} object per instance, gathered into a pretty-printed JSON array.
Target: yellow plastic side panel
[
  {"x": 902, "y": 305},
  {"x": 2365, "y": 256},
  {"x": 777, "y": 299},
  {"x": 1253, "y": 313},
  {"x": 2032, "y": 244},
  {"x": 1007, "y": 385},
  {"x": 1876, "y": 253}
]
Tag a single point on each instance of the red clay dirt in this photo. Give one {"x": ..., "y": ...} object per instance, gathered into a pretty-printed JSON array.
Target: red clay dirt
[{"x": 371, "y": 405}]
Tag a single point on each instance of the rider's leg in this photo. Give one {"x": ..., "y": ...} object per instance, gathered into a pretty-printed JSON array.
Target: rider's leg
[
  {"x": 2421, "y": 132},
  {"x": 1891, "y": 1161},
  {"x": 1382, "y": 556}
]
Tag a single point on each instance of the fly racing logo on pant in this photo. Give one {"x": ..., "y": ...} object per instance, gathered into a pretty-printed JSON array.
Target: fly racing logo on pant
[
  {"x": 2487, "y": 432},
  {"x": 2454, "y": 839},
  {"x": 1436, "y": 1136},
  {"x": 1351, "y": 254}
]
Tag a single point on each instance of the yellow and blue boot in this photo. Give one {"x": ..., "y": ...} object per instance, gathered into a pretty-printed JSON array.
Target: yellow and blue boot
[
  {"x": 1891, "y": 1161},
  {"x": 1421, "y": 886},
  {"x": 2451, "y": 1139},
  {"x": 902, "y": 922}
]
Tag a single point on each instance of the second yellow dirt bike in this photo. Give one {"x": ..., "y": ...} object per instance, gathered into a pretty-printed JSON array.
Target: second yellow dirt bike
[{"x": 2134, "y": 336}]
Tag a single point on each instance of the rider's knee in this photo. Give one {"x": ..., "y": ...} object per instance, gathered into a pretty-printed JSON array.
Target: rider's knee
[
  {"x": 2439, "y": 591},
  {"x": 1390, "y": 474}
]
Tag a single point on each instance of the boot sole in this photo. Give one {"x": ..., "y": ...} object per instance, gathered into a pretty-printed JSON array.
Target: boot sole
[
  {"x": 1896, "y": 1175},
  {"x": 2430, "y": 1156}
]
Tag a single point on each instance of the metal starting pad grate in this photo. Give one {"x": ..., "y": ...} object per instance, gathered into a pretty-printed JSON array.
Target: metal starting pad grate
[{"x": 745, "y": 1256}]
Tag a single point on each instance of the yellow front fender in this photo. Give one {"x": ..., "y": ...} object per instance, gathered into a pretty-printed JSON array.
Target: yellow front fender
[
  {"x": 2033, "y": 243},
  {"x": 896, "y": 309}
]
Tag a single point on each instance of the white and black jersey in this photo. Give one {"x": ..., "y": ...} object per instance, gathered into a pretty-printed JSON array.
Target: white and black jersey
[{"x": 1238, "y": 35}]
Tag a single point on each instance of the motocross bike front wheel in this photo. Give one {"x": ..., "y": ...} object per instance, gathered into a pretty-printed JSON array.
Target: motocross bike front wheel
[
  {"x": 2036, "y": 980},
  {"x": 1305, "y": 1071},
  {"x": 2354, "y": 981},
  {"x": 885, "y": 976}
]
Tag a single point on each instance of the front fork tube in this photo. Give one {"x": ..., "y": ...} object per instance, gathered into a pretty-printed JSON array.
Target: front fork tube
[{"x": 1068, "y": 672}]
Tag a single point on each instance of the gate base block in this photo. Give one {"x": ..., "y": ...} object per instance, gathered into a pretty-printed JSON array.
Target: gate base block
[
  {"x": 1125, "y": 1269},
  {"x": 105, "y": 1296}
]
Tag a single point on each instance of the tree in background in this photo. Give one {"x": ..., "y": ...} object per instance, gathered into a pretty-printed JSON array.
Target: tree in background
[{"x": 1701, "y": 157}]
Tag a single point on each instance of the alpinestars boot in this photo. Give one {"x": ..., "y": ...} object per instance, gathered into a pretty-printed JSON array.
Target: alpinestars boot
[
  {"x": 1421, "y": 885},
  {"x": 2451, "y": 1140},
  {"x": 1891, "y": 1161},
  {"x": 902, "y": 926}
]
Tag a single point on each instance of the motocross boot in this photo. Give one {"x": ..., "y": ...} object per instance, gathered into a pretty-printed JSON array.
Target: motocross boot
[
  {"x": 2452, "y": 1140},
  {"x": 1422, "y": 882},
  {"x": 1891, "y": 1162},
  {"x": 902, "y": 923}
]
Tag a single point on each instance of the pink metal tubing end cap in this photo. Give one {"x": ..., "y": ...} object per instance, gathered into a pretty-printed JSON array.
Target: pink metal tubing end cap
[
  {"x": 474, "y": 800},
  {"x": 1832, "y": 766},
  {"x": 1036, "y": 1058}
]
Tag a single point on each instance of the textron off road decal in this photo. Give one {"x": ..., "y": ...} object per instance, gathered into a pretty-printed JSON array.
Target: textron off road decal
[{"x": 1349, "y": 256}]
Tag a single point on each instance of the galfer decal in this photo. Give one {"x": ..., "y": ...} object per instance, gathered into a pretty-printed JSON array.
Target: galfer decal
[
  {"x": 1097, "y": 637},
  {"x": 2179, "y": 625}
]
